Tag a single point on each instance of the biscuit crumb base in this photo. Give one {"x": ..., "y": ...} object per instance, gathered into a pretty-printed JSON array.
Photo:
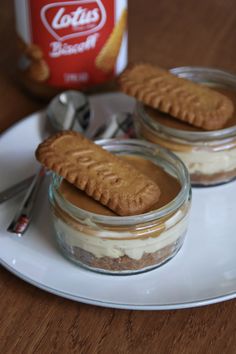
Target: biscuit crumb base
[
  {"x": 124, "y": 263},
  {"x": 216, "y": 178}
]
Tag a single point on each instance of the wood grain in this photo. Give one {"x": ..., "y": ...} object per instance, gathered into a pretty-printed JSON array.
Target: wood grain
[{"x": 164, "y": 32}]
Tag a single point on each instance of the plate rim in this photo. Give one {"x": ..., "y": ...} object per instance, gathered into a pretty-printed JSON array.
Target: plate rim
[{"x": 121, "y": 306}]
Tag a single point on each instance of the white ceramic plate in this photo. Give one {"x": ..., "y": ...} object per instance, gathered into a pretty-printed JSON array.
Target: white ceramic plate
[{"x": 203, "y": 272}]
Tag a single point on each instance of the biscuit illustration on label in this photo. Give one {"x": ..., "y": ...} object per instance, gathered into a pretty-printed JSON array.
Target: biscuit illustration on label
[
  {"x": 21, "y": 44},
  {"x": 32, "y": 51},
  {"x": 181, "y": 98},
  {"x": 103, "y": 176},
  {"x": 107, "y": 57},
  {"x": 38, "y": 70}
]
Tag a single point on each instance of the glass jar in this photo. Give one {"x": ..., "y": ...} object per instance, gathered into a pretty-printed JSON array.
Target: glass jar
[
  {"x": 70, "y": 44},
  {"x": 124, "y": 244},
  {"x": 210, "y": 156}
]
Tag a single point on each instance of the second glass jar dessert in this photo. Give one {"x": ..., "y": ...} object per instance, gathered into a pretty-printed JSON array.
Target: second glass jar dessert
[
  {"x": 210, "y": 156},
  {"x": 112, "y": 244}
]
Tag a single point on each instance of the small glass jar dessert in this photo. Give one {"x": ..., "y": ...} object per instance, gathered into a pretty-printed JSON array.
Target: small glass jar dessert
[
  {"x": 95, "y": 238},
  {"x": 210, "y": 156}
]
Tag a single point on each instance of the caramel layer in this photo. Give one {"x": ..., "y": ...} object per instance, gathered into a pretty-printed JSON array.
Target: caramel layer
[{"x": 169, "y": 187}]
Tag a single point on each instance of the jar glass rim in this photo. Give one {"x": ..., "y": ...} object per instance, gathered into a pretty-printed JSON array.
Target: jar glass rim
[
  {"x": 199, "y": 74},
  {"x": 131, "y": 145}
]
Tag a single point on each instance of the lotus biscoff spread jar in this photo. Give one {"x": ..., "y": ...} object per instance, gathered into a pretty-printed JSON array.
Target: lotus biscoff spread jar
[{"x": 78, "y": 44}]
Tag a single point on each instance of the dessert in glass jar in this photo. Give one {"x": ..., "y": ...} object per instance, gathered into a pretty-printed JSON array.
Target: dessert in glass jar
[
  {"x": 210, "y": 156},
  {"x": 96, "y": 238}
]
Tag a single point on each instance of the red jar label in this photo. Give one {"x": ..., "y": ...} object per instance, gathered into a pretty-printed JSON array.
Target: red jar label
[{"x": 73, "y": 43}]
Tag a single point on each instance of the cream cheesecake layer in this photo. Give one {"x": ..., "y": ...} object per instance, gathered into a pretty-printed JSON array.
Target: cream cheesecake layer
[
  {"x": 102, "y": 246},
  {"x": 208, "y": 162}
]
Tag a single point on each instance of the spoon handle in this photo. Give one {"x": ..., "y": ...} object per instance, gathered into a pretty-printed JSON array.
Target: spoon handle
[
  {"x": 23, "y": 215},
  {"x": 15, "y": 189}
]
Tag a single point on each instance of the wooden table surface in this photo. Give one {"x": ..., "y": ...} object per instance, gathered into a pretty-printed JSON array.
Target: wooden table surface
[{"x": 165, "y": 32}]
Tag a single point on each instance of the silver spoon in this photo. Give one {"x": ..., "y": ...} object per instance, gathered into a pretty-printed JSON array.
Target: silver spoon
[{"x": 63, "y": 112}]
